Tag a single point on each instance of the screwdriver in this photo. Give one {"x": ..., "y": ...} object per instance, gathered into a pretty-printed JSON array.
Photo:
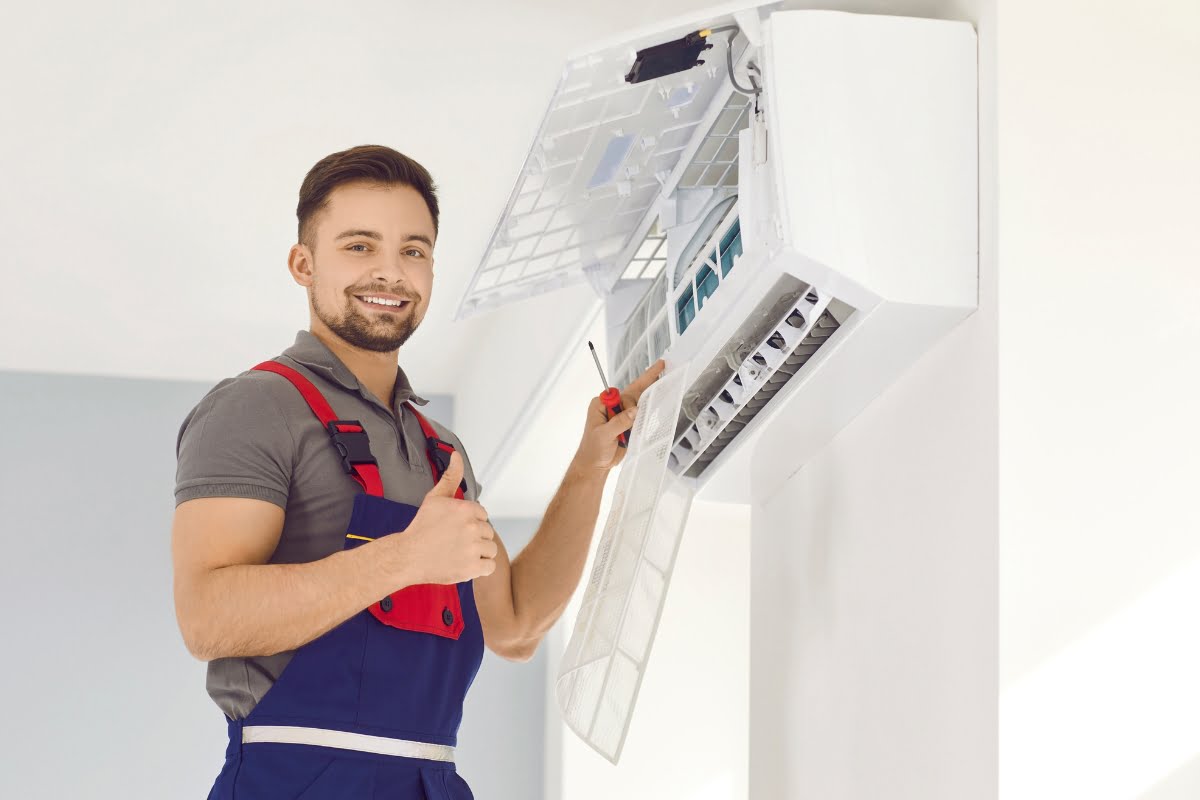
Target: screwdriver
[{"x": 610, "y": 397}]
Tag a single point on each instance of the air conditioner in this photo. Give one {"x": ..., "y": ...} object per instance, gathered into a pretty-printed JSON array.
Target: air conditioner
[{"x": 789, "y": 237}]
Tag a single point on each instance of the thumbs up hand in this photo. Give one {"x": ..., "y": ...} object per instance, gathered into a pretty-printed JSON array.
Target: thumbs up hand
[{"x": 449, "y": 540}]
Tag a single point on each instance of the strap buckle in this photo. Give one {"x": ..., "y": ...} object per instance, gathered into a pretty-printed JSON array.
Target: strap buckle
[
  {"x": 442, "y": 459},
  {"x": 353, "y": 446}
]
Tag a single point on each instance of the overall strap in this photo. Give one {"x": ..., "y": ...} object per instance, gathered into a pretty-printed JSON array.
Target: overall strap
[
  {"x": 436, "y": 450},
  {"x": 350, "y": 438},
  {"x": 348, "y": 435}
]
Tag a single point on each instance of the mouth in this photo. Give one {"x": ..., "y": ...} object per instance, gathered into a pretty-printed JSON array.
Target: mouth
[{"x": 384, "y": 307}]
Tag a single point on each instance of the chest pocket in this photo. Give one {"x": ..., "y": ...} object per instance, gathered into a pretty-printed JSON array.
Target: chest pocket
[{"x": 428, "y": 608}]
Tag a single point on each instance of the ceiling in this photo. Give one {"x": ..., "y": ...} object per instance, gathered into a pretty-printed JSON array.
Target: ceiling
[{"x": 153, "y": 152}]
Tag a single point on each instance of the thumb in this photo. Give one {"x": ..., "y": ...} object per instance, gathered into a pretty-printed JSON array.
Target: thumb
[
  {"x": 448, "y": 485},
  {"x": 621, "y": 422}
]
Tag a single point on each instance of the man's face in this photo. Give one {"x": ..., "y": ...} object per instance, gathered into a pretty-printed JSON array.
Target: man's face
[{"x": 371, "y": 242}]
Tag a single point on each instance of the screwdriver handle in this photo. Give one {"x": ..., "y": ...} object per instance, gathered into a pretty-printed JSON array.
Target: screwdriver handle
[{"x": 611, "y": 398}]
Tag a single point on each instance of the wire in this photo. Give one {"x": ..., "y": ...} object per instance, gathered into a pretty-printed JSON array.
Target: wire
[
  {"x": 750, "y": 65},
  {"x": 754, "y": 91}
]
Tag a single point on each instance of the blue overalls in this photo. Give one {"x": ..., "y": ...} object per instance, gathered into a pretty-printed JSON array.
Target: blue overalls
[{"x": 384, "y": 681}]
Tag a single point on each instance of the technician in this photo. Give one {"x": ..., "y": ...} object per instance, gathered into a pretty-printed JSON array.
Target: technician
[{"x": 332, "y": 562}]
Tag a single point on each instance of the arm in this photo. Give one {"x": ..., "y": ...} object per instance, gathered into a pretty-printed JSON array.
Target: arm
[
  {"x": 230, "y": 602},
  {"x": 522, "y": 600}
]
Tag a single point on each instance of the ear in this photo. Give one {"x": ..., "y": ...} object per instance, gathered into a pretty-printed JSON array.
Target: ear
[{"x": 300, "y": 264}]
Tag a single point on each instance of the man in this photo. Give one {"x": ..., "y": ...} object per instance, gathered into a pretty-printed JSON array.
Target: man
[{"x": 332, "y": 561}]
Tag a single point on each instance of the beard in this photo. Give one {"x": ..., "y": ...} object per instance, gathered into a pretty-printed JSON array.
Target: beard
[{"x": 381, "y": 333}]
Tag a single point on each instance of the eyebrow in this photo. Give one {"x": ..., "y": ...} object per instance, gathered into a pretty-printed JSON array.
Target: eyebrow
[{"x": 412, "y": 237}]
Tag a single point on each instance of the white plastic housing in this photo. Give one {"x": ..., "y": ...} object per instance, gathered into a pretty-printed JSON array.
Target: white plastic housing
[{"x": 864, "y": 199}]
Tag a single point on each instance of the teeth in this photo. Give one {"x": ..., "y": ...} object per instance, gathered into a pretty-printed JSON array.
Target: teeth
[{"x": 382, "y": 302}]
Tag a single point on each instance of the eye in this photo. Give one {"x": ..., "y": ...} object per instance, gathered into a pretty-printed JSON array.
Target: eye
[
  {"x": 351, "y": 247},
  {"x": 420, "y": 253}
]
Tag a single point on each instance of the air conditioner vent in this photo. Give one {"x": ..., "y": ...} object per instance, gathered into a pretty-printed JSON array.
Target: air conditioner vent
[{"x": 758, "y": 361}]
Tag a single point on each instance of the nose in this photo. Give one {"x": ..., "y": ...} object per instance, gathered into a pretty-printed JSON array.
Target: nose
[{"x": 390, "y": 270}]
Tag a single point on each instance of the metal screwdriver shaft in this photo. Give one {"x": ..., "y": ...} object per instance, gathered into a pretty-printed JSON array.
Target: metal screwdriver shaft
[{"x": 599, "y": 368}]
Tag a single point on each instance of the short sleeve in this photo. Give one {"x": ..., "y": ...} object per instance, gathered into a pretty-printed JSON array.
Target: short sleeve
[
  {"x": 235, "y": 443},
  {"x": 473, "y": 485},
  {"x": 474, "y": 480},
  {"x": 468, "y": 472}
]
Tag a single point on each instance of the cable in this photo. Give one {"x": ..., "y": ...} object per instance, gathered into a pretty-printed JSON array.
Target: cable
[
  {"x": 754, "y": 91},
  {"x": 750, "y": 65}
]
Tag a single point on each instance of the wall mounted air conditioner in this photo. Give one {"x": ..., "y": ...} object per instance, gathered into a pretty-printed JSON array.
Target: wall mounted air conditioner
[{"x": 790, "y": 223}]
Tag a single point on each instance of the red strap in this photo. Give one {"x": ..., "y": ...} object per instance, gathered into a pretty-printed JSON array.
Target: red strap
[
  {"x": 312, "y": 395},
  {"x": 432, "y": 440},
  {"x": 367, "y": 475}
]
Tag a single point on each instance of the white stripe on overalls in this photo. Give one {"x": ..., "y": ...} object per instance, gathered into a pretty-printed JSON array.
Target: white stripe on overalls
[{"x": 323, "y": 737}]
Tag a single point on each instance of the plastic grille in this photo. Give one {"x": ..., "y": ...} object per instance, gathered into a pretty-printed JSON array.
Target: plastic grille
[{"x": 606, "y": 656}]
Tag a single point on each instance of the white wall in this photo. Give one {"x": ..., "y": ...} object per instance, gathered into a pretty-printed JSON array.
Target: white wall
[
  {"x": 687, "y": 739},
  {"x": 1082, "y": 357},
  {"x": 501, "y": 742},
  {"x": 1100, "y": 443},
  {"x": 873, "y": 612},
  {"x": 874, "y": 569}
]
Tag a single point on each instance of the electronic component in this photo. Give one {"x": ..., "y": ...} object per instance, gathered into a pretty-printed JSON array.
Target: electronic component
[{"x": 668, "y": 58}]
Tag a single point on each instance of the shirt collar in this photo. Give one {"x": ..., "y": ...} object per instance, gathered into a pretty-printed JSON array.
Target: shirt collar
[{"x": 312, "y": 353}]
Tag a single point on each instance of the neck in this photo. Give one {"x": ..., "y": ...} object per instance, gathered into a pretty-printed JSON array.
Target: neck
[{"x": 376, "y": 371}]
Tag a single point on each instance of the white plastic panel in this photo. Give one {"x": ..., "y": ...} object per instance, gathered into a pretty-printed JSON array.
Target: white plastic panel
[
  {"x": 873, "y": 124},
  {"x": 715, "y": 163},
  {"x": 596, "y": 170},
  {"x": 605, "y": 660}
]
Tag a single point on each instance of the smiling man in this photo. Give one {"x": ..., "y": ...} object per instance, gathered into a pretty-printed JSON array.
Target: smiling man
[{"x": 332, "y": 562}]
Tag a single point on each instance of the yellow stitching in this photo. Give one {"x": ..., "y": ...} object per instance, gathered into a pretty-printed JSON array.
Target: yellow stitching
[{"x": 356, "y": 536}]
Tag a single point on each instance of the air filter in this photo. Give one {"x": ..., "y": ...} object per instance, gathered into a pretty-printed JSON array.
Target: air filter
[{"x": 605, "y": 659}]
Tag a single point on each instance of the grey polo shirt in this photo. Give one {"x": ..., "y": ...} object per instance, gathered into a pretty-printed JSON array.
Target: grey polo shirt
[{"x": 254, "y": 436}]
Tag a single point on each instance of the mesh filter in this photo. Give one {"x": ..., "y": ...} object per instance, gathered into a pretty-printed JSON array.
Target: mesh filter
[{"x": 606, "y": 656}]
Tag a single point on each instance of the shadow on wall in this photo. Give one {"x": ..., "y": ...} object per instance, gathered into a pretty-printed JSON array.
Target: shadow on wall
[
  {"x": 1057, "y": 717},
  {"x": 1179, "y": 785}
]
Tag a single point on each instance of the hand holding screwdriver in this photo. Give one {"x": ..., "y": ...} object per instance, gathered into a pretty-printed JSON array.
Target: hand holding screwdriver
[
  {"x": 610, "y": 418},
  {"x": 610, "y": 397}
]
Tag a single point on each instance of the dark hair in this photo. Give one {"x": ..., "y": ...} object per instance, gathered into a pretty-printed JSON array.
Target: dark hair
[{"x": 366, "y": 162}]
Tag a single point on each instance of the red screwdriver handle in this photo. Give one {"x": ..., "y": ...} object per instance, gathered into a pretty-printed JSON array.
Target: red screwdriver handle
[{"x": 611, "y": 398}]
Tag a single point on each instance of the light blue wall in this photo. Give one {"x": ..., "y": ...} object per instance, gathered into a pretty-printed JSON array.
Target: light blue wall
[{"x": 102, "y": 698}]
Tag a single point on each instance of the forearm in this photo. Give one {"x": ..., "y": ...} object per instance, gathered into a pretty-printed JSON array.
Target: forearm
[
  {"x": 262, "y": 609},
  {"x": 548, "y": 569}
]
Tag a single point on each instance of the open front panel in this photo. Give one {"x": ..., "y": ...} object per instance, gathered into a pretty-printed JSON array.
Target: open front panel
[{"x": 596, "y": 172}]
